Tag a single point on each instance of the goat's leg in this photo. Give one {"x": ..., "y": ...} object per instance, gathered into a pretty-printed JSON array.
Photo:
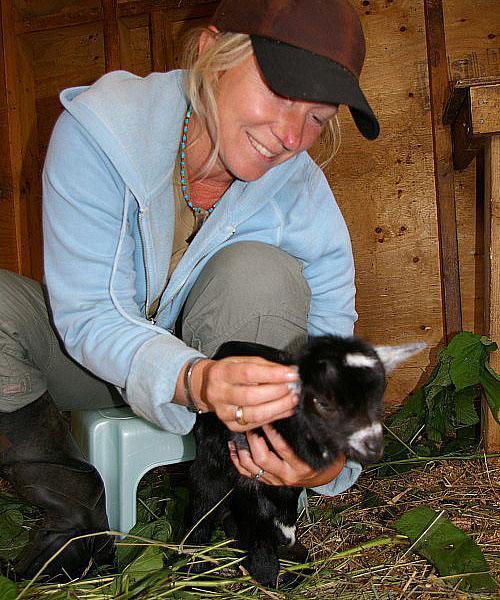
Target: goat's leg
[
  {"x": 204, "y": 496},
  {"x": 262, "y": 557},
  {"x": 202, "y": 515},
  {"x": 285, "y": 502},
  {"x": 256, "y": 535}
]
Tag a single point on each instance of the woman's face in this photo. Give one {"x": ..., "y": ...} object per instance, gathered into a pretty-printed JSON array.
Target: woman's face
[{"x": 259, "y": 129}]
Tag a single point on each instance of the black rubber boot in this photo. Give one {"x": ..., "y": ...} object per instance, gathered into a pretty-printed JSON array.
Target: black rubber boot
[{"x": 40, "y": 458}]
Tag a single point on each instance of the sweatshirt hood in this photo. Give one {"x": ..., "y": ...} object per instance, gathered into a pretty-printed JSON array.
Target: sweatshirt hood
[{"x": 136, "y": 121}]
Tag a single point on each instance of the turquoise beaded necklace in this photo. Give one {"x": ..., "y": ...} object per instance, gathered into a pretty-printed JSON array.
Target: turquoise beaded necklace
[{"x": 183, "y": 174}]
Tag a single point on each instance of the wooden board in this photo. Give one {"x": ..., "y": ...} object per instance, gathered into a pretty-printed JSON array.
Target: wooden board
[
  {"x": 473, "y": 46},
  {"x": 485, "y": 109},
  {"x": 386, "y": 191},
  {"x": 135, "y": 44},
  {"x": 492, "y": 247},
  {"x": 8, "y": 245},
  {"x": 472, "y": 38}
]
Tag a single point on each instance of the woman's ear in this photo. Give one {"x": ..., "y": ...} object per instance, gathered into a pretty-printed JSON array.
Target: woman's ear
[{"x": 207, "y": 38}]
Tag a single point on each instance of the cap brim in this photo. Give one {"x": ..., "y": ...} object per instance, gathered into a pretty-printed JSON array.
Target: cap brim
[{"x": 296, "y": 73}]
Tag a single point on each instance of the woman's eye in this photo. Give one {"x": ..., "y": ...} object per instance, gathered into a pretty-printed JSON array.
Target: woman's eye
[{"x": 320, "y": 122}]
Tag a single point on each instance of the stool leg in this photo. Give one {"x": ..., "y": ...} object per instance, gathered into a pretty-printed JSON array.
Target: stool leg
[{"x": 129, "y": 482}]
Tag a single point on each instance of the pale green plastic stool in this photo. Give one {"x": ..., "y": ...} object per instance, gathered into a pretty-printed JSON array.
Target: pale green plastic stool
[{"x": 123, "y": 448}]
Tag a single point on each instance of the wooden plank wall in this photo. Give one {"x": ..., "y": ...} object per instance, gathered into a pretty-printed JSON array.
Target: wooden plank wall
[
  {"x": 52, "y": 45},
  {"x": 473, "y": 47},
  {"x": 385, "y": 188}
]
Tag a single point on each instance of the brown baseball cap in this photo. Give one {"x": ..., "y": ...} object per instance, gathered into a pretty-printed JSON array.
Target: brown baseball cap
[{"x": 306, "y": 49}]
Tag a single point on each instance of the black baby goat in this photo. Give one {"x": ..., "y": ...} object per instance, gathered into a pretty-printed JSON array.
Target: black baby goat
[{"x": 341, "y": 391}]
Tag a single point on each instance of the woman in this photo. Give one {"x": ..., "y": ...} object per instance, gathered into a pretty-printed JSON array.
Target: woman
[{"x": 182, "y": 211}]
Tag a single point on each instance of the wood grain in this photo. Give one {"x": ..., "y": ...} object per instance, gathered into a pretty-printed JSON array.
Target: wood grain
[
  {"x": 491, "y": 430},
  {"x": 8, "y": 245},
  {"x": 111, "y": 35},
  {"x": 485, "y": 108},
  {"x": 15, "y": 119},
  {"x": 443, "y": 169}
]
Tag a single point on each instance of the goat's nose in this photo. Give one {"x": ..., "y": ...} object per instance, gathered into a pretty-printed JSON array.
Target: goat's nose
[
  {"x": 367, "y": 443},
  {"x": 374, "y": 447}
]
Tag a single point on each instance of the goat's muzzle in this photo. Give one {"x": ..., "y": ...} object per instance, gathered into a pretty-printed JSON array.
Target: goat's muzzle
[{"x": 366, "y": 445}]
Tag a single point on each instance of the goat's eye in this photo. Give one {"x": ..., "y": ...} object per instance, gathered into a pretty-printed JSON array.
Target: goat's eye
[{"x": 322, "y": 406}]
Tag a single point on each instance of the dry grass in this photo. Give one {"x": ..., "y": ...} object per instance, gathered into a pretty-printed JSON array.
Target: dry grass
[
  {"x": 469, "y": 492},
  {"x": 353, "y": 550}
]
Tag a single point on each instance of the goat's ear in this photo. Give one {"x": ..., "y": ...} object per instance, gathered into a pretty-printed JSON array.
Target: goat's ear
[{"x": 393, "y": 356}]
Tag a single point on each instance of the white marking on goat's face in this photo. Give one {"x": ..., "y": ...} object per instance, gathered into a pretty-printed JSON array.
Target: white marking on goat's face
[
  {"x": 358, "y": 360},
  {"x": 287, "y": 531},
  {"x": 357, "y": 440}
]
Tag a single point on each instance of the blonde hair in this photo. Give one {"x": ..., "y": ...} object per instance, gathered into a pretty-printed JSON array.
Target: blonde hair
[{"x": 202, "y": 76}]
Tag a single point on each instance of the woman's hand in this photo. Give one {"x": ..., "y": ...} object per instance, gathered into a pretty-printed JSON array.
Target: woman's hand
[
  {"x": 259, "y": 388},
  {"x": 280, "y": 465}
]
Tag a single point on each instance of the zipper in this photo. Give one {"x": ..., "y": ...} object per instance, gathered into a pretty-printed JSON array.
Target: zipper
[
  {"x": 145, "y": 259},
  {"x": 231, "y": 231}
]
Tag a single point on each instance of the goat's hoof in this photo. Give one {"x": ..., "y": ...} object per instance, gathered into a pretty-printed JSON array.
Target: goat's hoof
[{"x": 264, "y": 573}]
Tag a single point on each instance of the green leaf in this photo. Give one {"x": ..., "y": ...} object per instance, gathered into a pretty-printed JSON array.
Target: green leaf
[
  {"x": 466, "y": 440},
  {"x": 491, "y": 386},
  {"x": 13, "y": 536},
  {"x": 439, "y": 417},
  {"x": 150, "y": 560},
  {"x": 409, "y": 418},
  {"x": 129, "y": 549},
  {"x": 7, "y": 589},
  {"x": 469, "y": 355},
  {"x": 466, "y": 411},
  {"x": 464, "y": 343},
  {"x": 447, "y": 547},
  {"x": 141, "y": 572},
  {"x": 440, "y": 382},
  {"x": 413, "y": 407}
]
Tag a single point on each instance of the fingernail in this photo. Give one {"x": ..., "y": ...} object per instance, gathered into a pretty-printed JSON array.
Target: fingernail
[
  {"x": 294, "y": 386},
  {"x": 296, "y": 399},
  {"x": 232, "y": 447},
  {"x": 294, "y": 373}
]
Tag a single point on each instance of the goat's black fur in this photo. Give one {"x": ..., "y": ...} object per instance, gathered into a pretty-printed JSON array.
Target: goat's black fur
[{"x": 336, "y": 401}]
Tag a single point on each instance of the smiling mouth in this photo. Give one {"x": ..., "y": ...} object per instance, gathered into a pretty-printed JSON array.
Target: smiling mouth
[{"x": 262, "y": 150}]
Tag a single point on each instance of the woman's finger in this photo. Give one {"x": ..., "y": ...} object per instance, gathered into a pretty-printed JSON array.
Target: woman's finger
[
  {"x": 279, "y": 445},
  {"x": 256, "y": 395},
  {"x": 279, "y": 471},
  {"x": 251, "y": 370},
  {"x": 235, "y": 459},
  {"x": 266, "y": 477},
  {"x": 261, "y": 454},
  {"x": 270, "y": 479},
  {"x": 254, "y": 416}
]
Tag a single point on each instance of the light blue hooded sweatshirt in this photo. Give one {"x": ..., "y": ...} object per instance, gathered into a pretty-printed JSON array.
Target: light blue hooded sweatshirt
[{"x": 108, "y": 218}]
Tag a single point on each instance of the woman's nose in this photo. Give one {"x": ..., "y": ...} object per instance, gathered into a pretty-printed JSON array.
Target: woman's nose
[{"x": 289, "y": 128}]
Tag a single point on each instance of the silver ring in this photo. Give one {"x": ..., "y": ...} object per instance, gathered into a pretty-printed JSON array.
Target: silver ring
[
  {"x": 239, "y": 416},
  {"x": 259, "y": 474}
]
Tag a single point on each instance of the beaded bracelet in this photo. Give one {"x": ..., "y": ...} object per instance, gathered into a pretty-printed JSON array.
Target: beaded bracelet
[{"x": 191, "y": 404}]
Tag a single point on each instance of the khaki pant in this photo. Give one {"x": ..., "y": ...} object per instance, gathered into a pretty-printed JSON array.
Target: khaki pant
[{"x": 248, "y": 292}]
